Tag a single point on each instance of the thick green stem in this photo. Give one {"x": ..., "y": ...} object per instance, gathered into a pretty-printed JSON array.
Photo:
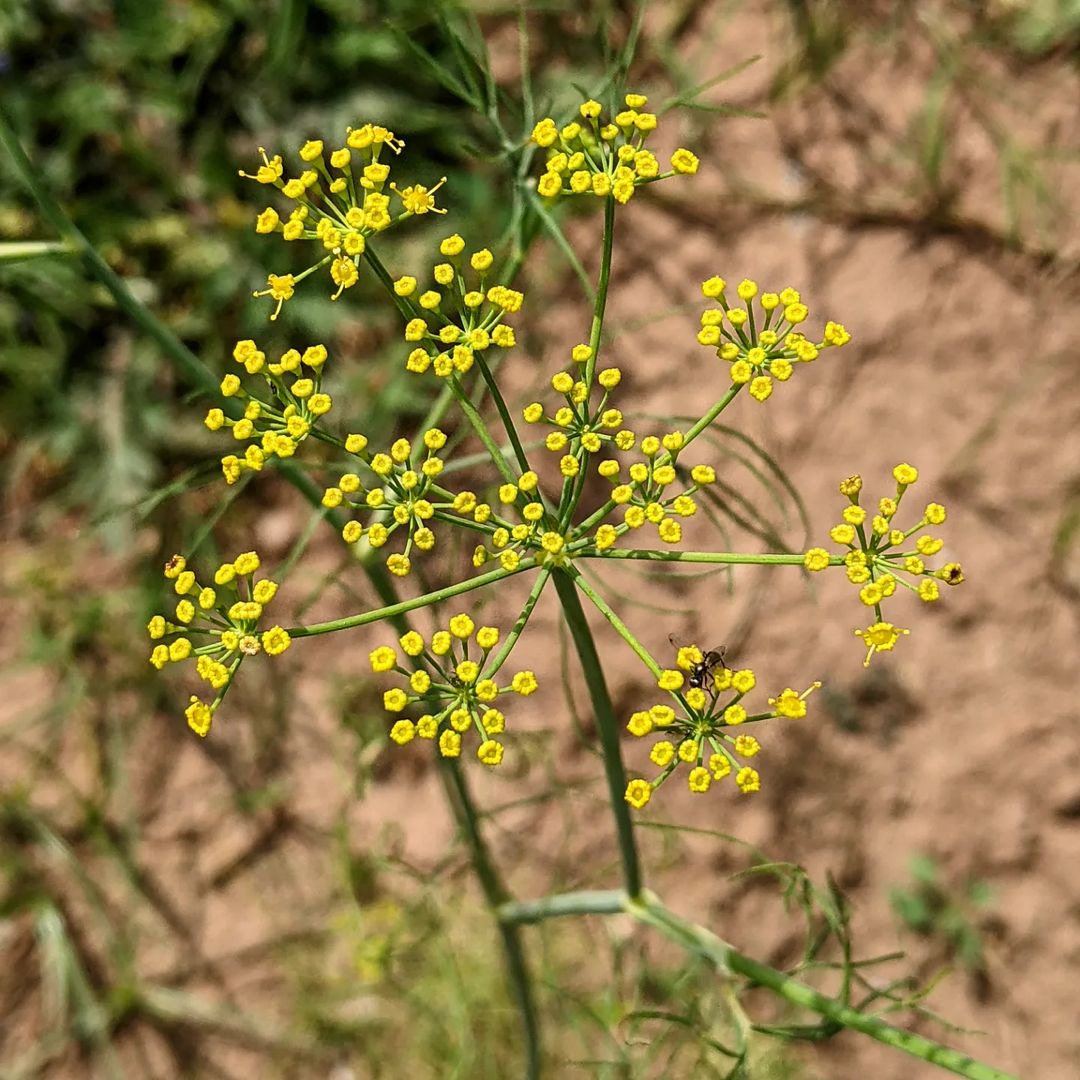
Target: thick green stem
[
  {"x": 585, "y": 902},
  {"x": 605, "y": 722},
  {"x": 495, "y": 894},
  {"x": 729, "y": 961},
  {"x": 726, "y": 959},
  {"x": 403, "y": 606}
]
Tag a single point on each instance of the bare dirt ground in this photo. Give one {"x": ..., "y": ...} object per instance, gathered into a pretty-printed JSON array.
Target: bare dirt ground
[{"x": 963, "y": 744}]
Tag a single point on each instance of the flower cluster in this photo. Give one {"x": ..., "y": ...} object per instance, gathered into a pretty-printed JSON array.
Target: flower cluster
[
  {"x": 276, "y": 425},
  {"x": 578, "y": 428},
  {"x": 604, "y": 158},
  {"x": 761, "y": 348},
  {"x": 341, "y": 199},
  {"x": 511, "y": 540},
  {"x": 449, "y": 327},
  {"x": 650, "y": 492},
  {"x": 223, "y": 620},
  {"x": 879, "y": 556},
  {"x": 400, "y": 494},
  {"x": 451, "y": 688},
  {"x": 695, "y": 729}
]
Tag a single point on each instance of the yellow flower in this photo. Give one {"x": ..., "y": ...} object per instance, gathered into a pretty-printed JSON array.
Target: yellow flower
[
  {"x": 670, "y": 531},
  {"x": 748, "y": 780},
  {"x": 662, "y": 753},
  {"x": 275, "y": 641},
  {"x": 746, "y": 745},
  {"x": 670, "y": 679},
  {"x": 280, "y": 288},
  {"x": 816, "y": 559},
  {"x": 699, "y": 780},
  {"x": 905, "y": 474},
  {"x": 606, "y": 535},
  {"x": 929, "y": 591},
  {"x": 385, "y": 659},
  {"x": 450, "y": 744},
  {"x": 683, "y": 161},
  {"x": 880, "y": 637},
  {"x": 835, "y": 334},
  {"x": 267, "y": 221},
  {"x": 467, "y": 671},
  {"x": 851, "y": 487},
  {"x": 403, "y": 732},
  {"x": 734, "y": 715},
  {"x": 761, "y": 388},
  {"x": 719, "y": 765},
  {"x": 199, "y": 716},
  {"x": 928, "y": 545},
  {"x": 638, "y": 793},
  {"x": 395, "y": 700},
  {"x": 950, "y": 573},
  {"x": 524, "y": 683},
  {"x": 743, "y": 681},
  {"x": 490, "y": 752}
]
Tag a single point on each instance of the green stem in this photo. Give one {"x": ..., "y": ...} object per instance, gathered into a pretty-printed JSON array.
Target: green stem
[
  {"x": 495, "y": 894},
  {"x": 13, "y": 250},
  {"x": 498, "y": 658},
  {"x": 710, "y": 416},
  {"x": 574, "y": 497},
  {"x": 606, "y": 723},
  {"x": 387, "y": 282},
  {"x": 584, "y": 902},
  {"x": 594, "y": 518},
  {"x": 573, "y": 486},
  {"x": 696, "y": 939},
  {"x": 600, "y": 304},
  {"x": 619, "y": 626},
  {"x": 403, "y": 606},
  {"x": 725, "y": 557},
  {"x": 699, "y": 940},
  {"x": 482, "y": 433},
  {"x": 504, "y": 411}
]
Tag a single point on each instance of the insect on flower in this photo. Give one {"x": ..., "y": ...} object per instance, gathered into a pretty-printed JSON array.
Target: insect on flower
[{"x": 700, "y": 672}]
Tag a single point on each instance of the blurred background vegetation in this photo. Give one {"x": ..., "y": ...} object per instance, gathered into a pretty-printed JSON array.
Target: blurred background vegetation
[{"x": 137, "y": 115}]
